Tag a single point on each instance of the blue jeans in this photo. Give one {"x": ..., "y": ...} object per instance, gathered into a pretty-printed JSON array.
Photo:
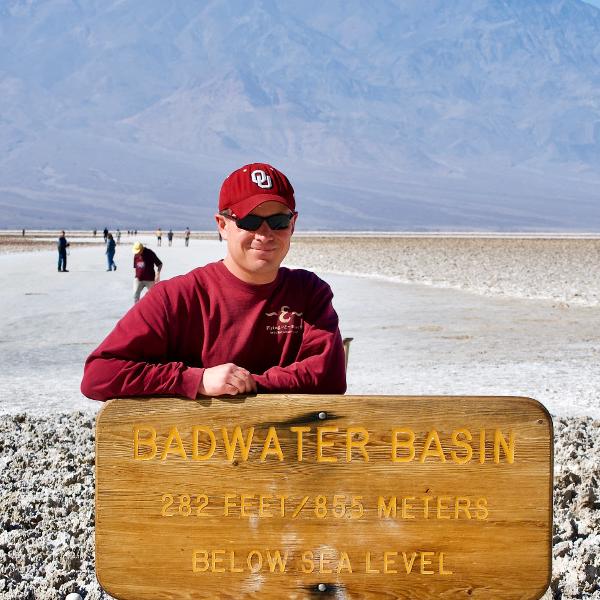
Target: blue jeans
[
  {"x": 62, "y": 260},
  {"x": 110, "y": 259}
]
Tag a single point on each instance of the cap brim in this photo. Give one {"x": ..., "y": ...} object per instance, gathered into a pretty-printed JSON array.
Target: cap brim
[{"x": 247, "y": 205}]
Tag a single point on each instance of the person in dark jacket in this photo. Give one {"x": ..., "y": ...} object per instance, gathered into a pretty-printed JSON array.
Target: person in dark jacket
[
  {"x": 111, "y": 247},
  {"x": 62, "y": 246}
]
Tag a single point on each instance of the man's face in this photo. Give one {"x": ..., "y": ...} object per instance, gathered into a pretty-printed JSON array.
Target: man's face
[{"x": 255, "y": 256}]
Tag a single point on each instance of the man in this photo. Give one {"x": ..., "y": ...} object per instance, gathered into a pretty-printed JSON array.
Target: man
[
  {"x": 111, "y": 248},
  {"x": 170, "y": 237},
  {"x": 238, "y": 326},
  {"x": 62, "y": 245},
  {"x": 187, "y": 236},
  {"x": 144, "y": 261}
]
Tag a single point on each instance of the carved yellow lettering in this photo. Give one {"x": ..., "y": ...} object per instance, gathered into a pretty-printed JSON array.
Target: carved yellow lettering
[
  {"x": 442, "y": 570},
  {"x": 308, "y": 564},
  {"x": 386, "y": 510},
  {"x": 282, "y": 500},
  {"x": 442, "y": 505},
  {"x": 358, "y": 443},
  {"x": 322, "y": 568},
  {"x": 200, "y": 562},
  {"x": 482, "y": 446},
  {"x": 195, "y": 442},
  {"x": 462, "y": 503},
  {"x": 426, "y": 501},
  {"x": 432, "y": 437},
  {"x": 178, "y": 449},
  {"x": 321, "y": 443},
  {"x": 262, "y": 511},
  {"x": 425, "y": 561},
  {"x": 407, "y": 506},
  {"x": 368, "y": 568},
  {"x": 229, "y": 503},
  {"x": 146, "y": 441},
  {"x": 507, "y": 447},
  {"x": 254, "y": 561},
  {"x": 407, "y": 443},
  {"x": 299, "y": 431},
  {"x": 482, "y": 510},
  {"x": 344, "y": 563},
  {"x": 276, "y": 562},
  {"x": 389, "y": 559},
  {"x": 231, "y": 446},
  {"x": 408, "y": 565},
  {"x": 463, "y": 433},
  {"x": 217, "y": 559},
  {"x": 232, "y": 566},
  {"x": 271, "y": 439},
  {"x": 244, "y": 500}
]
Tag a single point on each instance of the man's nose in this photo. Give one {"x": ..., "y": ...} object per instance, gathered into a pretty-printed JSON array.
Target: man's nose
[{"x": 264, "y": 230}]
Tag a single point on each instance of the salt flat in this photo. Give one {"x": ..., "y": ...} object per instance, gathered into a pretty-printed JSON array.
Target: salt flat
[
  {"x": 409, "y": 338},
  {"x": 436, "y": 316}
]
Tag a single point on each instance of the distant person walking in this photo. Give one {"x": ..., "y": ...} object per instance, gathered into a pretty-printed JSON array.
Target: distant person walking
[
  {"x": 170, "y": 237},
  {"x": 144, "y": 261},
  {"x": 105, "y": 234},
  {"x": 187, "y": 236},
  {"x": 111, "y": 248},
  {"x": 94, "y": 231},
  {"x": 159, "y": 237},
  {"x": 23, "y": 233},
  {"x": 62, "y": 252},
  {"x": 118, "y": 236}
]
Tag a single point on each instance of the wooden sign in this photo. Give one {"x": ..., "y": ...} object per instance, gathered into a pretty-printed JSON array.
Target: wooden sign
[{"x": 290, "y": 496}]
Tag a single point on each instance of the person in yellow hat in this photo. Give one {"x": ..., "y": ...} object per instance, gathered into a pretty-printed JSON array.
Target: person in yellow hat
[{"x": 144, "y": 261}]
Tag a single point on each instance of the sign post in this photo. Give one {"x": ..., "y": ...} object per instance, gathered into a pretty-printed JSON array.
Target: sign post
[{"x": 305, "y": 496}]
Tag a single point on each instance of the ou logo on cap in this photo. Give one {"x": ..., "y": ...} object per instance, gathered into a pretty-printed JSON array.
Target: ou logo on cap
[{"x": 261, "y": 179}]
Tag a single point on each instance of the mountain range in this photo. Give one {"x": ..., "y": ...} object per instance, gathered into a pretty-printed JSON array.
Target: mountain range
[{"x": 388, "y": 115}]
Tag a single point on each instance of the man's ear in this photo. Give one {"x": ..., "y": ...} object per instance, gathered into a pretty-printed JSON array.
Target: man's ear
[
  {"x": 220, "y": 219},
  {"x": 294, "y": 223}
]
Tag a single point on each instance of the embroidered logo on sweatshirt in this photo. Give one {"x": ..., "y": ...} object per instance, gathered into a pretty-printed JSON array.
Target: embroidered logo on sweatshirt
[{"x": 287, "y": 321}]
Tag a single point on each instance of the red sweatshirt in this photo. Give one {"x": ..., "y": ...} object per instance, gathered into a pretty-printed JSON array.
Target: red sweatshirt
[{"x": 285, "y": 333}]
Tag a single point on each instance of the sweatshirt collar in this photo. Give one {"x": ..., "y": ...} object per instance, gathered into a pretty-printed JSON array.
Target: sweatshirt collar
[{"x": 261, "y": 289}]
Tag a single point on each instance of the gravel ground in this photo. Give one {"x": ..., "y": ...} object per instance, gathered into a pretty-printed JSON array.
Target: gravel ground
[
  {"x": 47, "y": 508},
  {"x": 564, "y": 270}
]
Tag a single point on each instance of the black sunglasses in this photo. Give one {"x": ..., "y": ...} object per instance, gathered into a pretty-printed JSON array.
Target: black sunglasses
[{"x": 276, "y": 222}]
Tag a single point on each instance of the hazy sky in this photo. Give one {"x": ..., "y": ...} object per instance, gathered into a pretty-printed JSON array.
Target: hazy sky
[{"x": 594, "y": 2}]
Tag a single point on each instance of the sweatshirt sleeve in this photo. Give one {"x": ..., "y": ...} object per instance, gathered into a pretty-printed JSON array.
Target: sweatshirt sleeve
[
  {"x": 320, "y": 365},
  {"x": 133, "y": 360}
]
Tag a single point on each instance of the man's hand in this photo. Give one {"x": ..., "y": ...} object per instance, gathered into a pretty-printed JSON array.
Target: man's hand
[{"x": 227, "y": 379}]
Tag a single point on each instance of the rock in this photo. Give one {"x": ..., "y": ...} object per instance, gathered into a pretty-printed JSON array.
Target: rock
[{"x": 562, "y": 549}]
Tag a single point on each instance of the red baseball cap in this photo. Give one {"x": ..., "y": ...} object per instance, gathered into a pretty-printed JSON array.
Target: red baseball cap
[{"x": 252, "y": 185}]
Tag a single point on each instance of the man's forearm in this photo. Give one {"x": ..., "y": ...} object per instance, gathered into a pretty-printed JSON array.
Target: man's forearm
[
  {"x": 318, "y": 374},
  {"x": 106, "y": 378}
]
